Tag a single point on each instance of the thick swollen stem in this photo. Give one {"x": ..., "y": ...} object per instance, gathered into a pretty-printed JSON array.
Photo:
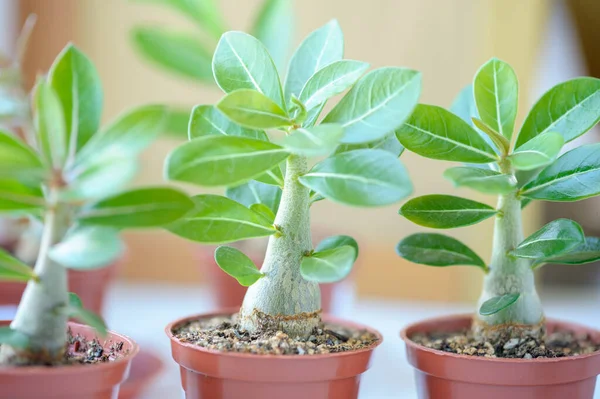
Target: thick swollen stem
[
  {"x": 38, "y": 315},
  {"x": 510, "y": 275},
  {"x": 282, "y": 299}
]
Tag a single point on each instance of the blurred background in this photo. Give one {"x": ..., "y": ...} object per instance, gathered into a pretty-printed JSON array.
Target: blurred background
[{"x": 546, "y": 41}]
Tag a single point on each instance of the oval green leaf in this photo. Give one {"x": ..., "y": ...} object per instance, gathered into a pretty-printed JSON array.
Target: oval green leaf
[
  {"x": 445, "y": 211},
  {"x": 360, "y": 178},
  {"x": 13, "y": 338},
  {"x": 207, "y": 120},
  {"x": 377, "y": 105},
  {"x": 389, "y": 144},
  {"x": 483, "y": 180},
  {"x": 222, "y": 160},
  {"x": 437, "y": 250},
  {"x": 15, "y": 196},
  {"x": 274, "y": 28},
  {"x": 314, "y": 141},
  {"x": 219, "y": 220},
  {"x": 18, "y": 160},
  {"x": 235, "y": 263},
  {"x": 328, "y": 266},
  {"x": 254, "y": 110},
  {"x": 88, "y": 248},
  {"x": 12, "y": 269},
  {"x": 49, "y": 123},
  {"x": 336, "y": 242},
  {"x": 254, "y": 192},
  {"x": 497, "y": 303},
  {"x": 264, "y": 211},
  {"x": 146, "y": 207},
  {"x": 587, "y": 252},
  {"x": 433, "y": 132},
  {"x": 538, "y": 152},
  {"x": 555, "y": 238}
]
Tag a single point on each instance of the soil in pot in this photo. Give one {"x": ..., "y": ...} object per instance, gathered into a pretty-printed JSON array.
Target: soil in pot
[
  {"x": 220, "y": 361},
  {"x": 94, "y": 369}
]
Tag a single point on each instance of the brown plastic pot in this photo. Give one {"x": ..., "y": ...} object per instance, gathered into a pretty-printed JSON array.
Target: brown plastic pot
[
  {"x": 228, "y": 293},
  {"x": 442, "y": 375},
  {"x": 89, "y": 285},
  {"x": 98, "y": 381},
  {"x": 210, "y": 374}
]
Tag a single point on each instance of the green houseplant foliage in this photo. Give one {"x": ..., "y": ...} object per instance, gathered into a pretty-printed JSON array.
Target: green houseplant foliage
[
  {"x": 517, "y": 167},
  {"x": 71, "y": 179},
  {"x": 188, "y": 54},
  {"x": 271, "y": 184}
]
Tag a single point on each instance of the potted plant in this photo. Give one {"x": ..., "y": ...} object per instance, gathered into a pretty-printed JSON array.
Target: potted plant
[
  {"x": 20, "y": 234},
  {"x": 508, "y": 348},
  {"x": 71, "y": 182},
  {"x": 278, "y": 345}
]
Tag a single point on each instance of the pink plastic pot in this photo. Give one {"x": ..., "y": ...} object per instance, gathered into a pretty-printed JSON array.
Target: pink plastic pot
[
  {"x": 442, "y": 375},
  {"x": 210, "y": 374},
  {"x": 144, "y": 369},
  {"x": 99, "y": 381}
]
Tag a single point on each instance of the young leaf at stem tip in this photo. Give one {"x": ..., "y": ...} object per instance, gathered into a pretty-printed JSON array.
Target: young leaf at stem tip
[
  {"x": 483, "y": 180},
  {"x": 239, "y": 266},
  {"x": 445, "y": 211},
  {"x": 49, "y": 124},
  {"x": 328, "y": 266},
  {"x": 497, "y": 303},
  {"x": 222, "y": 160},
  {"x": 500, "y": 141},
  {"x": 436, "y": 133},
  {"x": 538, "y": 152},
  {"x": 298, "y": 111},
  {"x": 587, "y": 252},
  {"x": 254, "y": 110},
  {"x": 555, "y": 238},
  {"x": 437, "y": 250},
  {"x": 360, "y": 178}
]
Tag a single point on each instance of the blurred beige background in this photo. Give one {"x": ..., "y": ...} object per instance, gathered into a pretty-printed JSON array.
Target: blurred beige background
[{"x": 447, "y": 46}]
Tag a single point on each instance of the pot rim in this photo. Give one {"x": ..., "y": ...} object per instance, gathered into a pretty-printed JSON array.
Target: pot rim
[
  {"x": 404, "y": 336},
  {"x": 226, "y": 311},
  {"x": 80, "y": 368}
]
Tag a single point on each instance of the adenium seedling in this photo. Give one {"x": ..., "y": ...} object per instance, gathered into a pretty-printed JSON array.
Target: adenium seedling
[
  {"x": 70, "y": 177},
  {"x": 188, "y": 54},
  {"x": 517, "y": 170},
  {"x": 229, "y": 146}
]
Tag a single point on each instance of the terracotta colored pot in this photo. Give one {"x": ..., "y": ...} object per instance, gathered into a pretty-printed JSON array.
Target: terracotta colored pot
[
  {"x": 228, "y": 293},
  {"x": 210, "y": 374},
  {"x": 99, "y": 381},
  {"x": 144, "y": 369},
  {"x": 90, "y": 285},
  {"x": 442, "y": 375}
]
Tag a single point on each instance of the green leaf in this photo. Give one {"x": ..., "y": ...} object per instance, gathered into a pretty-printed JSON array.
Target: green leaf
[
  {"x": 378, "y": 104},
  {"x": 127, "y": 136},
  {"x": 445, "y": 211},
  {"x": 12, "y": 269},
  {"x": 203, "y": 12},
  {"x": 177, "y": 122},
  {"x": 254, "y": 110},
  {"x": 146, "y": 207},
  {"x": 177, "y": 52},
  {"x": 464, "y": 105},
  {"x": 389, "y": 144},
  {"x": 76, "y": 82},
  {"x": 433, "y": 132},
  {"x": 207, "y": 120},
  {"x": 298, "y": 111},
  {"x": 557, "y": 237},
  {"x": 333, "y": 242},
  {"x": 76, "y": 311},
  {"x": 314, "y": 141},
  {"x": 49, "y": 124},
  {"x": 235, "y": 263},
  {"x": 572, "y": 177},
  {"x": 15, "y": 196},
  {"x": 328, "y": 266},
  {"x": 587, "y": 252},
  {"x": 320, "y": 48},
  {"x": 496, "y": 90},
  {"x": 254, "y": 192},
  {"x": 264, "y": 211},
  {"x": 483, "y": 180},
  {"x": 570, "y": 108},
  {"x": 219, "y": 220},
  {"x": 13, "y": 338},
  {"x": 274, "y": 28},
  {"x": 499, "y": 141},
  {"x": 222, "y": 160},
  {"x": 538, "y": 152},
  {"x": 360, "y": 178},
  {"x": 330, "y": 81},
  {"x": 497, "y": 303},
  {"x": 437, "y": 250},
  {"x": 88, "y": 248},
  {"x": 18, "y": 160},
  {"x": 242, "y": 62}
]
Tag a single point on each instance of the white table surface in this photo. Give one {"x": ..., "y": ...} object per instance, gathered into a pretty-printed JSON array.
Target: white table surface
[{"x": 142, "y": 311}]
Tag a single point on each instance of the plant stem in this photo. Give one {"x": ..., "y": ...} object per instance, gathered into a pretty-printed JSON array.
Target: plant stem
[
  {"x": 37, "y": 315},
  {"x": 510, "y": 275},
  {"x": 283, "y": 299}
]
